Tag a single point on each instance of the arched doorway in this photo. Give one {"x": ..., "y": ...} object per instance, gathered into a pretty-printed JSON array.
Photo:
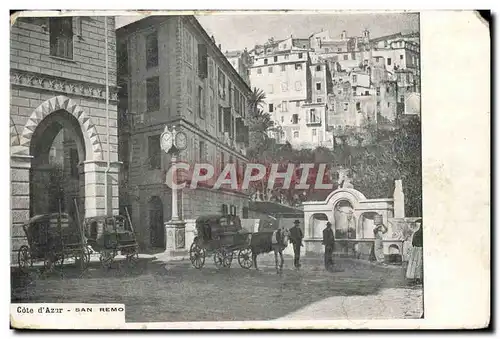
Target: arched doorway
[
  {"x": 156, "y": 224},
  {"x": 367, "y": 225},
  {"x": 316, "y": 225},
  {"x": 56, "y": 175},
  {"x": 345, "y": 223}
]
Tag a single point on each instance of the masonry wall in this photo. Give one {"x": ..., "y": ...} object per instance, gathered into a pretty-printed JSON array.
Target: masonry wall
[
  {"x": 36, "y": 78},
  {"x": 196, "y": 203},
  {"x": 179, "y": 82}
]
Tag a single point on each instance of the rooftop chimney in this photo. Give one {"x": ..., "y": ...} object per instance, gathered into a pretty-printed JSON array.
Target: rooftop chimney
[
  {"x": 220, "y": 46},
  {"x": 213, "y": 38},
  {"x": 343, "y": 35}
]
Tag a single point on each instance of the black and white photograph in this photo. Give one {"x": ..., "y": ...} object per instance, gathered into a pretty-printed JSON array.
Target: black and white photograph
[{"x": 218, "y": 167}]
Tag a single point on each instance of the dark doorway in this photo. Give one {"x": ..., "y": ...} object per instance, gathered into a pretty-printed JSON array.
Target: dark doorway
[
  {"x": 156, "y": 225},
  {"x": 57, "y": 182}
]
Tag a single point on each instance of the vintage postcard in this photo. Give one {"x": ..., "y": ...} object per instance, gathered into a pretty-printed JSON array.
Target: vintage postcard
[{"x": 248, "y": 169}]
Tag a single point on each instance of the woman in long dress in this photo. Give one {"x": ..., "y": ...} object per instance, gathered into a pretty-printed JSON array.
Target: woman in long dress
[
  {"x": 415, "y": 270},
  {"x": 379, "y": 230}
]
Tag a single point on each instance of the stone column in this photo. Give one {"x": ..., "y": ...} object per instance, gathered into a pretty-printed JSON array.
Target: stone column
[
  {"x": 95, "y": 185},
  {"x": 19, "y": 200},
  {"x": 175, "y": 229},
  {"x": 399, "y": 200}
]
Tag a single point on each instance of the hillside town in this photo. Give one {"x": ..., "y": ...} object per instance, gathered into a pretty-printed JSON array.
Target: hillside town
[
  {"x": 317, "y": 86},
  {"x": 101, "y": 116}
]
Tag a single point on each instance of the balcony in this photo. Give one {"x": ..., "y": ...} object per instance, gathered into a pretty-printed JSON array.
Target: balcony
[{"x": 313, "y": 122}]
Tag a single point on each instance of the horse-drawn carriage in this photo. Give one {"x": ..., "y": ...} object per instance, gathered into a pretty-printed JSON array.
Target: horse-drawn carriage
[
  {"x": 52, "y": 238},
  {"x": 111, "y": 235},
  {"x": 221, "y": 236}
]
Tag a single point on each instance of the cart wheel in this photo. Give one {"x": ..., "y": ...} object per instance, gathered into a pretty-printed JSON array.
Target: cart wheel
[
  {"x": 24, "y": 258},
  {"x": 133, "y": 257},
  {"x": 59, "y": 260},
  {"x": 245, "y": 258},
  {"x": 223, "y": 258},
  {"x": 228, "y": 258},
  {"x": 106, "y": 258},
  {"x": 48, "y": 263},
  {"x": 218, "y": 258},
  {"x": 82, "y": 258},
  {"x": 197, "y": 255}
]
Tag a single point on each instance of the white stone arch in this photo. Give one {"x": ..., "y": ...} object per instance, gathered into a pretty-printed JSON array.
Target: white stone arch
[
  {"x": 314, "y": 231},
  {"x": 349, "y": 194},
  {"x": 354, "y": 197},
  {"x": 93, "y": 146}
]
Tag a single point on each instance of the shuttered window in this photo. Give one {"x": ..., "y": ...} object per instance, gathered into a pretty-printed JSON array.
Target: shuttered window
[{"x": 61, "y": 37}]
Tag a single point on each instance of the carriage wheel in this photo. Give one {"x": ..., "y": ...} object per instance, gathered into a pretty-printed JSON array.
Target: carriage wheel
[
  {"x": 218, "y": 258},
  {"x": 58, "y": 260},
  {"x": 133, "y": 257},
  {"x": 223, "y": 258},
  {"x": 106, "y": 258},
  {"x": 228, "y": 258},
  {"x": 82, "y": 258},
  {"x": 245, "y": 258},
  {"x": 197, "y": 255},
  {"x": 52, "y": 260},
  {"x": 24, "y": 258}
]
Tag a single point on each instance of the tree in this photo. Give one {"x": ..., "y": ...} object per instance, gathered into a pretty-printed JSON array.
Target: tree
[
  {"x": 256, "y": 101},
  {"x": 260, "y": 124},
  {"x": 377, "y": 165}
]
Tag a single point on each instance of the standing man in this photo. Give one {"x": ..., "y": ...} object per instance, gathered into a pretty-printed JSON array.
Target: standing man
[
  {"x": 296, "y": 239},
  {"x": 329, "y": 242}
]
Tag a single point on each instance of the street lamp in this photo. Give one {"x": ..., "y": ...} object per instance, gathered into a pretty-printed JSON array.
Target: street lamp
[{"x": 173, "y": 141}]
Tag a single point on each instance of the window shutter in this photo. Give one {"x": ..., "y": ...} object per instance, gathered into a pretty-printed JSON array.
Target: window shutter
[{"x": 202, "y": 61}]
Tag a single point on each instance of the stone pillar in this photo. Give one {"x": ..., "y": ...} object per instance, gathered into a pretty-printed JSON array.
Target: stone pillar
[
  {"x": 190, "y": 232},
  {"x": 95, "y": 185},
  {"x": 175, "y": 231},
  {"x": 19, "y": 200},
  {"x": 307, "y": 226},
  {"x": 399, "y": 200}
]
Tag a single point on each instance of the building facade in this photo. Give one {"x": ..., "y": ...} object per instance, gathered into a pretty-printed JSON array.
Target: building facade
[
  {"x": 241, "y": 61},
  {"x": 176, "y": 75},
  {"x": 63, "y": 115}
]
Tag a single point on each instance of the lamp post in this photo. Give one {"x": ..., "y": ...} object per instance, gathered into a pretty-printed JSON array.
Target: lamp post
[{"x": 172, "y": 142}]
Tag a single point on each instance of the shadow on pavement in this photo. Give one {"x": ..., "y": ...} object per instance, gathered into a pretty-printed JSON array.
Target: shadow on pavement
[{"x": 176, "y": 291}]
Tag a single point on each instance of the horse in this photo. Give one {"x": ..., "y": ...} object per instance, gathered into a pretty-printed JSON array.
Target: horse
[{"x": 265, "y": 242}]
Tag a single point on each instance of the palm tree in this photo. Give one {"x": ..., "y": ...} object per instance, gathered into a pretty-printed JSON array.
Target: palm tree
[{"x": 256, "y": 101}]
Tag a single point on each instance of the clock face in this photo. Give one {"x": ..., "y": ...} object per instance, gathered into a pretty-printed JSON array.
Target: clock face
[
  {"x": 181, "y": 140},
  {"x": 166, "y": 141}
]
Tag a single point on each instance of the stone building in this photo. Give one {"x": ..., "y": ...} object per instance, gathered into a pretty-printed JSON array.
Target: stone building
[
  {"x": 172, "y": 73},
  {"x": 63, "y": 89},
  {"x": 241, "y": 62}
]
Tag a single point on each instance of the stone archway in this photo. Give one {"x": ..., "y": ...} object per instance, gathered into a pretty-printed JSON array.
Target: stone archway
[
  {"x": 21, "y": 145},
  {"x": 366, "y": 225},
  {"x": 56, "y": 180},
  {"x": 317, "y": 223},
  {"x": 344, "y": 220},
  {"x": 29, "y": 150}
]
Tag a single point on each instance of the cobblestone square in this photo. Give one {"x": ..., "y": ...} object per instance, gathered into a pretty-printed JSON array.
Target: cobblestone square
[{"x": 155, "y": 291}]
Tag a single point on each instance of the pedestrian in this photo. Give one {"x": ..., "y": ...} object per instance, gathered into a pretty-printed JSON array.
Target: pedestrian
[
  {"x": 329, "y": 243},
  {"x": 378, "y": 232},
  {"x": 415, "y": 269},
  {"x": 296, "y": 237}
]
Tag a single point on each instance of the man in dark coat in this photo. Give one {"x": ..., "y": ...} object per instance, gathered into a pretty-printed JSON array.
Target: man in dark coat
[
  {"x": 296, "y": 237},
  {"x": 328, "y": 242}
]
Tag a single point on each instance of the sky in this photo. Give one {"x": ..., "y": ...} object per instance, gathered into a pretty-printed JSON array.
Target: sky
[{"x": 237, "y": 31}]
